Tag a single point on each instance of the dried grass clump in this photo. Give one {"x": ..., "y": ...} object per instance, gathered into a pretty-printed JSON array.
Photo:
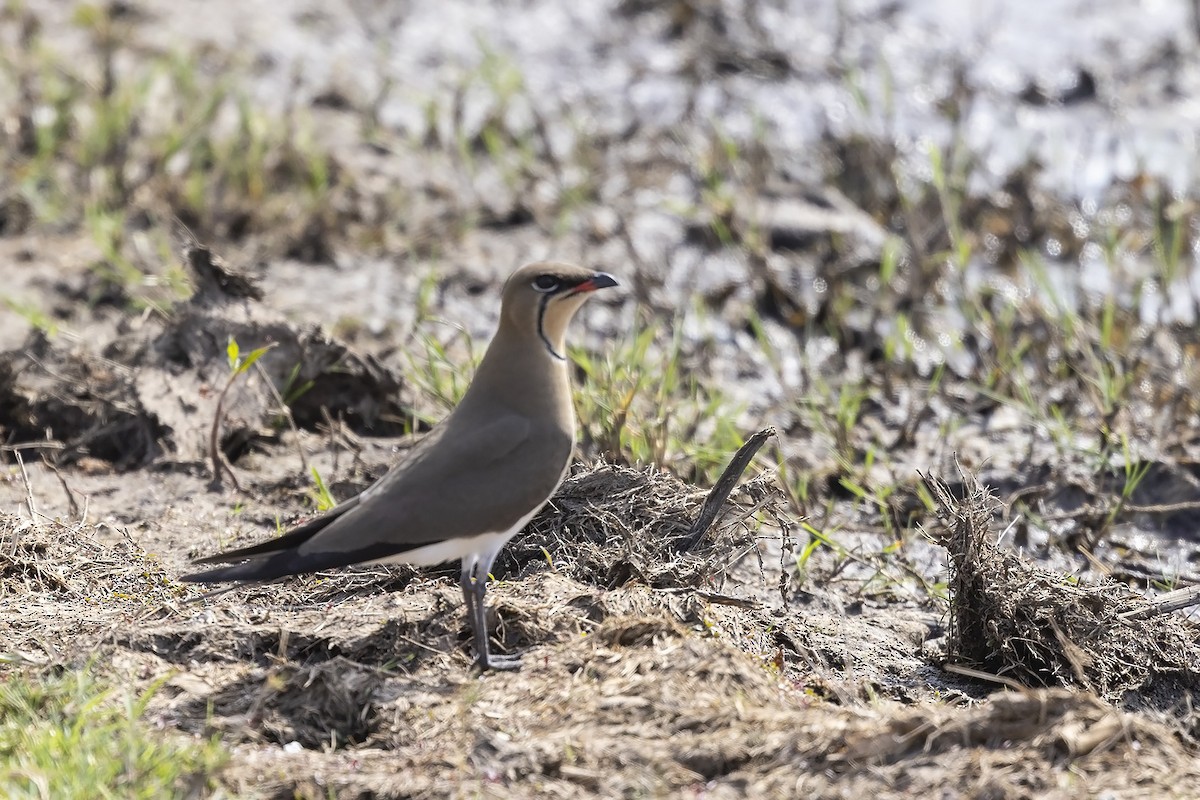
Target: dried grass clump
[
  {"x": 609, "y": 525},
  {"x": 1015, "y": 745},
  {"x": 1057, "y": 722},
  {"x": 1041, "y": 628},
  {"x": 326, "y": 705},
  {"x": 56, "y": 562},
  {"x": 60, "y": 585}
]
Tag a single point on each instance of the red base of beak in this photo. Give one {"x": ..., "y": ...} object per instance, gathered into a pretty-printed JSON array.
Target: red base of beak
[{"x": 601, "y": 280}]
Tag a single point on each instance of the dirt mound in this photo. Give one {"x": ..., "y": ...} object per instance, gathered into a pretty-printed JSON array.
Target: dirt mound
[
  {"x": 88, "y": 403},
  {"x": 154, "y": 391},
  {"x": 610, "y": 525}
]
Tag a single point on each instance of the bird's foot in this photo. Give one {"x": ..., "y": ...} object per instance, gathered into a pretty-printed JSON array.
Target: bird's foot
[{"x": 497, "y": 662}]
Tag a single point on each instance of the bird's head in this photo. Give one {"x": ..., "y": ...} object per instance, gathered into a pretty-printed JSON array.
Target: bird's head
[{"x": 540, "y": 299}]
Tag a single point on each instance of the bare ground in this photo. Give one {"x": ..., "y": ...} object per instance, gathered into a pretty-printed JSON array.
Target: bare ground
[{"x": 360, "y": 685}]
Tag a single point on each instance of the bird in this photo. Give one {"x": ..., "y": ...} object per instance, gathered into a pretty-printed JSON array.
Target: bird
[{"x": 471, "y": 483}]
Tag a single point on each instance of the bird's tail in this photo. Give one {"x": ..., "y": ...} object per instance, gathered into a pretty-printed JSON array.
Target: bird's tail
[{"x": 267, "y": 560}]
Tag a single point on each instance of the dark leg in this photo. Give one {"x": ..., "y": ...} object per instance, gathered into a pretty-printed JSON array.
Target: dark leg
[
  {"x": 483, "y": 657},
  {"x": 465, "y": 581}
]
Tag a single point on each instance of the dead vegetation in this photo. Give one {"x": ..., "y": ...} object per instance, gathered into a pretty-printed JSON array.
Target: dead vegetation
[
  {"x": 628, "y": 683},
  {"x": 51, "y": 560},
  {"x": 611, "y": 526},
  {"x": 60, "y": 581},
  {"x": 1030, "y": 626},
  {"x": 632, "y": 693}
]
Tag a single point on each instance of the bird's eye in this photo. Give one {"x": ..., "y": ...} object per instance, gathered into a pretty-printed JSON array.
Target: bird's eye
[{"x": 545, "y": 283}]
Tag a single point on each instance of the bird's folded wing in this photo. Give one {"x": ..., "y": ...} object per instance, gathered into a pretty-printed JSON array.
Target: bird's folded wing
[
  {"x": 469, "y": 482},
  {"x": 456, "y": 483}
]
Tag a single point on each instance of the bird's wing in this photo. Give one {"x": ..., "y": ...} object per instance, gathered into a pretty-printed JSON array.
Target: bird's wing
[{"x": 464, "y": 483}]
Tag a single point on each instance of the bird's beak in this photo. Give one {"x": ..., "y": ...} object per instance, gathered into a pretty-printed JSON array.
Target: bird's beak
[{"x": 601, "y": 280}]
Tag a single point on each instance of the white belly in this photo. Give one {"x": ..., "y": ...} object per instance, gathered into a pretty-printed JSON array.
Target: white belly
[{"x": 483, "y": 547}]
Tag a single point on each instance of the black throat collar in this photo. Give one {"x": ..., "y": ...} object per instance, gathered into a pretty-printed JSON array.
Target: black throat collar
[{"x": 542, "y": 333}]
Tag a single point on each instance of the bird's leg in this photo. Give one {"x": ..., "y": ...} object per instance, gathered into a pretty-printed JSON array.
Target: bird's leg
[
  {"x": 483, "y": 657},
  {"x": 466, "y": 579},
  {"x": 479, "y": 624}
]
